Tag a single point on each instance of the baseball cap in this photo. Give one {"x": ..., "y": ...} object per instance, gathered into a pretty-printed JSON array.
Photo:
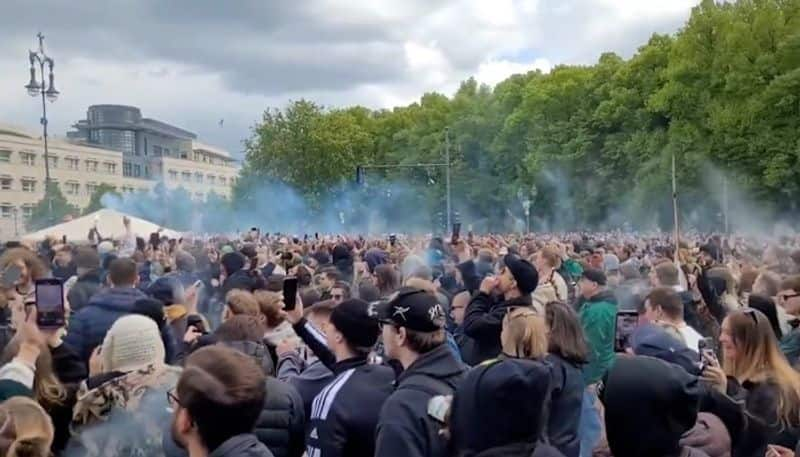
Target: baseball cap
[
  {"x": 524, "y": 273},
  {"x": 353, "y": 320},
  {"x": 412, "y": 308}
]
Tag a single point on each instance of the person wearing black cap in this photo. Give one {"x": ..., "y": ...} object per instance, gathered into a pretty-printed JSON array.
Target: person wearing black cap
[
  {"x": 345, "y": 413},
  {"x": 487, "y": 417},
  {"x": 413, "y": 335},
  {"x": 483, "y": 321},
  {"x": 597, "y": 309}
]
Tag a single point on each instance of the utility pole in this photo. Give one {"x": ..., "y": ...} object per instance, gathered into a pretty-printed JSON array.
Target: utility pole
[
  {"x": 725, "y": 203},
  {"x": 675, "y": 211},
  {"x": 447, "y": 174}
]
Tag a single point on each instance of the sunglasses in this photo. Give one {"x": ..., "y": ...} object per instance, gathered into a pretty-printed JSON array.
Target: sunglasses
[{"x": 172, "y": 399}]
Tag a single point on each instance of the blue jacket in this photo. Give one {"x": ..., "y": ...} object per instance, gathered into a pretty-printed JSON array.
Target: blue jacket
[{"x": 88, "y": 327}]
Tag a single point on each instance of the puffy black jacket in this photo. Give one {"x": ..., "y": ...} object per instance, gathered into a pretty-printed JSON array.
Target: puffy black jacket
[
  {"x": 483, "y": 322},
  {"x": 281, "y": 425},
  {"x": 405, "y": 429},
  {"x": 566, "y": 398},
  {"x": 521, "y": 450}
]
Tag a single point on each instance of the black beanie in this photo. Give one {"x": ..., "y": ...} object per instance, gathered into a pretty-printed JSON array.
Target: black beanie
[{"x": 352, "y": 319}]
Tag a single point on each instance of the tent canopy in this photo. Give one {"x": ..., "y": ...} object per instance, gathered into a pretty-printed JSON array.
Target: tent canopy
[{"x": 109, "y": 225}]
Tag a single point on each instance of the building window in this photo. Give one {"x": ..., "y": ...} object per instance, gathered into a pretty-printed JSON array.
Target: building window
[
  {"x": 146, "y": 171},
  {"x": 196, "y": 156},
  {"x": 166, "y": 152},
  {"x": 28, "y": 158},
  {"x": 73, "y": 188},
  {"x": 91, "y": 166},
  {"x": 5, "y": 210},
  {"x": 137, "y": 170},
  {"x": 5, "y": 156},
  {"x": 72, "y": 163},
  {"x": 52, "y": 161},
  {"x": 157, "y": 151},
  {"x": 5, "y": 183},
  {"x": 91, "y": 188},
  {"x": 111, "y": 168},
  {"x": 28, "y": 185},
  {"x": 126, "y": 169},
  {"x": 198, "y": 178},
  {"x": 120, "y": 140},
  {"x": 27, "y": 211},
  {"x": 223, "y": 181},
  {"x": 186, "y": 176},
  {"x": 173, "y": 175},
  {"x": 212, "y": 179},
  {"x": 184, "y": 155},
  {"x": 145, "y": 145}
]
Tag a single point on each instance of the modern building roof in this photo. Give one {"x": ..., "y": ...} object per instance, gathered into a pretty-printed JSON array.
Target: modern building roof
[
  {"x": 196, "y": 145},
  {"x": 13, "y": 130}
]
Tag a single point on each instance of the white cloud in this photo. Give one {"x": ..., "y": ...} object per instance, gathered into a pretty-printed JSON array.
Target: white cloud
[{"x": 232, "y": 61}]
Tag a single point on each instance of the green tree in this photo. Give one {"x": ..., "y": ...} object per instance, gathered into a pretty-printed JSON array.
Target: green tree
[
  {"x": 51, "y": 209},
  {"x": 96, "y": 199}
]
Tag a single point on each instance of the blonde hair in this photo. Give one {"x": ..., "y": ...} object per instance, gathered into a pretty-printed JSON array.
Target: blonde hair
[
  {"x": 33, "y": 427},
  {"x": 271, "y": 305},
  {"x": 759, "y": 359},
  {"x": 524, "y": 334},
  {"x": 46, "y": 386}
]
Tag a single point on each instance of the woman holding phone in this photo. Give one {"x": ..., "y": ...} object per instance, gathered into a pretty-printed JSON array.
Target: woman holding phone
[{"x": 755, "y": 372}]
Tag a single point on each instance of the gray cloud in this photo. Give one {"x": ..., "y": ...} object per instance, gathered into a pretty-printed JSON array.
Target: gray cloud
[{"x": 192, "y": 62}]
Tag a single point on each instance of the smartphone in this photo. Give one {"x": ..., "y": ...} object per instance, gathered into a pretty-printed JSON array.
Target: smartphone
[
  {"x": 708, "y": 352},
  {"x": 289, "y": 293},
  {"x": 627, "y": 321},
  {"x": 456, "y": 233},
  {"x": 10, "y": 276},
  {"x": 392, "y": 239},
  {"x": 50, "y": 311}
]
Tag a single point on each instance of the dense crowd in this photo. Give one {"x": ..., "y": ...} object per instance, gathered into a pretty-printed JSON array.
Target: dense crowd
[{"x": 570, "y": 344}]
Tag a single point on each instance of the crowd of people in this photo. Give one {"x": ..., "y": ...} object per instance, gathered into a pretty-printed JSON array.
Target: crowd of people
[{"x": 547, "y": 345}]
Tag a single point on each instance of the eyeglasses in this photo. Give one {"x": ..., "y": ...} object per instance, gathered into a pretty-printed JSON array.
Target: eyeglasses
[
  {"x": 172, "y": 399},
  {"x": 337, "y": 297},
  {"x": 785, "y": 297}
]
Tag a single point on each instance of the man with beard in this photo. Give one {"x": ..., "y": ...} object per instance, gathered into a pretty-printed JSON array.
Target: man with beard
[{"x": 217, "y": 403}]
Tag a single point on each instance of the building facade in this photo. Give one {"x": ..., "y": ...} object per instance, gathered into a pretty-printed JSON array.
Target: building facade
[{"x": 113, "y": 146}]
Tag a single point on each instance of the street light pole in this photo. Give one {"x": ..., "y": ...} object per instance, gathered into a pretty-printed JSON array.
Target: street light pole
[
  {"x": 447, "y": 173},
  {"x": 35, "y": 88}
]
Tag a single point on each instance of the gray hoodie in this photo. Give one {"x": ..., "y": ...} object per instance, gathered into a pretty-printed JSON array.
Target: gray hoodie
[{"x": 245, "y": 445}]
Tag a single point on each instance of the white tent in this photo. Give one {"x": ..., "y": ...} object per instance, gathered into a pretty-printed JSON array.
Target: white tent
[{"x": 109, "y": 225}]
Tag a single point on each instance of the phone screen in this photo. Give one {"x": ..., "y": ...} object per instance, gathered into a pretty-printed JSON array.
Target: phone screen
[
  {"x": 456, "y": 233},
  {"x": 627, "y": 321},
  {"x": 49, "y": 303},
  {"x": 289, "y": 293}
]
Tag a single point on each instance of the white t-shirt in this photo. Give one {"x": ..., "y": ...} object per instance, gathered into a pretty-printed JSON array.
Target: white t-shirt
[{"x": 691, "y": 337}]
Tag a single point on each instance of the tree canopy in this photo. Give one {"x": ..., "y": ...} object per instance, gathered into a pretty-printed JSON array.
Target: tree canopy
[{"x": 590, "y": 145}]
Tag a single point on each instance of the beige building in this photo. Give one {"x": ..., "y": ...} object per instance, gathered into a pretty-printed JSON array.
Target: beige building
[{"x": 79, "y": 168}]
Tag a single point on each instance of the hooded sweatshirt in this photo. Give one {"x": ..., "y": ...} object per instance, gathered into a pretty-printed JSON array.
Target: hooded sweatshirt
[
  {"x": 405, "y": 429},
  {"x": 598, "y": 317},
  {"x": 666, "y": 402},
  {"x": 513, "y": 395}
]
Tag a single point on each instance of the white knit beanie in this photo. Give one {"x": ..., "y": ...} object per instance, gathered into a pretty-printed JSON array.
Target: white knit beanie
[{"x": 133, "y": 342}]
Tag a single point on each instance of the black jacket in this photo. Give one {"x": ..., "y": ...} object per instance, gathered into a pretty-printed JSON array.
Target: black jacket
[
  {"x": 566, "y": 398},
  {"x": 308, "y": 377},
  {"x": 760, "y": 401},
  {"x": 345, "y": 413},
  {"x": 483, "y": 322},
  {"x": 245, "y": 445},
  {"x": 521, "y": 450},
  {"x": 405, "y": 429},
  {"x": 281, "y": 425},
  {"x": 84, "y": 289}
]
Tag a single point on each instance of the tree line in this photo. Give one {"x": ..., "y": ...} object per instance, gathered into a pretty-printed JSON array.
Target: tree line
[{"x": 588, "y": 145}]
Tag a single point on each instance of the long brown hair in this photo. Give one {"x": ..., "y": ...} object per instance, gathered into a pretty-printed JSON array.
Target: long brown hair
[
  {"x": 759, "y": 359},
  {"x": 46, "y": 386},
  {"x": 35, "y": 265},
  {"x": 524, "y": 334},
  {"x": 565, "y": 336},
  {"x": 388, "y": 279},
  {"x": 33, "y": 428}
]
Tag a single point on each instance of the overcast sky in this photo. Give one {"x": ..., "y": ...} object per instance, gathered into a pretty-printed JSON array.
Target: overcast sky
[{"x": 193, "y": 62}]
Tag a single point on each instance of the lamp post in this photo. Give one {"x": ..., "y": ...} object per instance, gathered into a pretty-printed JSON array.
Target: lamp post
[
  {"x": 16, "y": 226},
  {"x": 46, "y": 91}
]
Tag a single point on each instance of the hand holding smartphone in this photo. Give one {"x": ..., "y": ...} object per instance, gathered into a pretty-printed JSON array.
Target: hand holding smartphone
[
  {"x": 627, "y": 321},
  {"x": 50, "y": 311},
  {"x": 290, "y": 293}
]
